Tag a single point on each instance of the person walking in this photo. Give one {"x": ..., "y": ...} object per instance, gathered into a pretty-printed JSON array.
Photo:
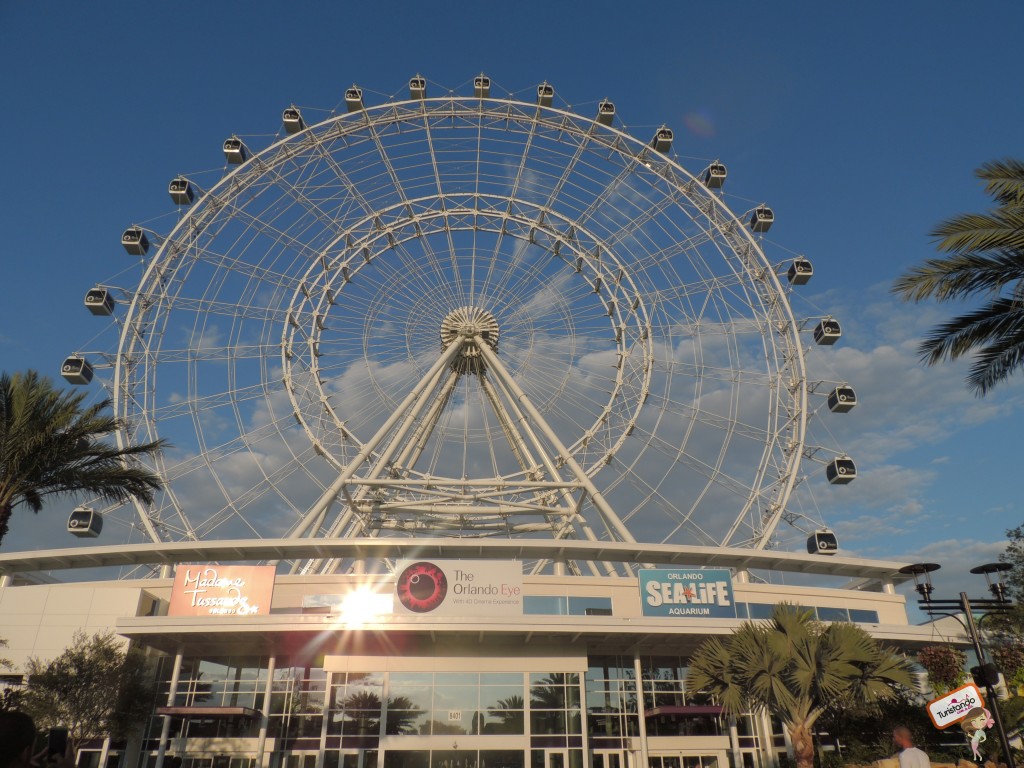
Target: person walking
[{"x": 909, "y": 755}]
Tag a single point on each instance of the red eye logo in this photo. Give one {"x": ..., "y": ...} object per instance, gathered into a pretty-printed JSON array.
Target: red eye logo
[{"x": 422, "y": 587}]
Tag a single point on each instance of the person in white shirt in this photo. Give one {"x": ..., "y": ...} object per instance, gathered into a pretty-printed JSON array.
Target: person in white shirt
[{"x": 910, "y": 756}]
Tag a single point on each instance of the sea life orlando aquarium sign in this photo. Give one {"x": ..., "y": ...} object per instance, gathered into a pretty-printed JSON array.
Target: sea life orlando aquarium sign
[{"x": 687, "y": 593}]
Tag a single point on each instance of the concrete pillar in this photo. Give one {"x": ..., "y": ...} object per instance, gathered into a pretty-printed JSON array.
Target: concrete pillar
[
  {"x": 261, "y": 745},
  {"x": 640, "y": 709},
  {"x": 165, "y": 730}
]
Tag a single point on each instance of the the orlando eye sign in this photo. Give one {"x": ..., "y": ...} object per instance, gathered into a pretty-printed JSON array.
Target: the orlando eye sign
[{"x": 687, "y": 593}]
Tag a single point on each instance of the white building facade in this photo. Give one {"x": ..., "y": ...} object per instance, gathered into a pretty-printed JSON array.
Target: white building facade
[{"x": 436, "y": 653}]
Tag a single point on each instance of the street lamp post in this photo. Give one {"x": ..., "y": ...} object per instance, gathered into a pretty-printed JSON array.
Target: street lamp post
[{"x": 967, "y": 606}]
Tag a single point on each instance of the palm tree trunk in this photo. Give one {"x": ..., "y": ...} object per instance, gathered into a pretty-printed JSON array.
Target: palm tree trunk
[
  {"x": 803, "y": 745},
  {"x": 5, "y": 516}
]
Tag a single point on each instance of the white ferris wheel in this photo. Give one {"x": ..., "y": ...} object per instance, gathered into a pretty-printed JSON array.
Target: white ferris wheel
[{"x": 464, "y": 315}]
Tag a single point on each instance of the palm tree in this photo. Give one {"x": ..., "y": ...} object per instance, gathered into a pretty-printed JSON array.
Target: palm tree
[
  {"x": 794, "y": 667},
  {"x": 52, "y": 445},
  {"x": 986, "y": 260}
]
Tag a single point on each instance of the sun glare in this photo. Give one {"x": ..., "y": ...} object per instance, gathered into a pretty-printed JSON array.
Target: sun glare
[{"x": 361, "y": 606}]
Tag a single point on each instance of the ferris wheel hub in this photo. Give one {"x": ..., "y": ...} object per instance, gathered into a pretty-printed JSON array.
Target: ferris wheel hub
[{"x": 468, "y": 323}]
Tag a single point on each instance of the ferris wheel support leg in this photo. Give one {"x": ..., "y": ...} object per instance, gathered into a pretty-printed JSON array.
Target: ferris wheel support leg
[
  {"x": 611, "y": 520},
  {"x": 412, "y": 412},
  {"x": 549, "y": 465},
  {"x": 515, "y": 440},
  {"x": 349, "y": 518},
  {"x": 331, "y": 494},
  {"x": 416, "y": 445}
]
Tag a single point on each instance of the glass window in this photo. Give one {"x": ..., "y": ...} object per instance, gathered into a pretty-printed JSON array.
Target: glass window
[
  {"x": 505, "y": 758},
  {"x": 593, "y": 606},
  {"x": 452, "y": 759},
  {"x": 833, "y": 614},
  {"x": 404, "y": 722},
  {"x": 501, "y": 697},
  {"x": 411, "y": 678},
  {"x": 456, "y": 678},
  {"x": 760, "y": 610},
  {"x": 545, "y": 605},
  {"x": 502, "y": 678},
  {"x": 406, "y": 759},
  {"x": 504, "y": 721},
  {"x": 863, "y": 617}
]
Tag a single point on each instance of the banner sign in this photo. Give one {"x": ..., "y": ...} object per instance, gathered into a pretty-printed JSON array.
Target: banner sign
[
  {"x": 955, "y": 706},
  {"x": 689, "y": 593},
  {"x": 222, "y": 590},
  {"x": 459, "y": 587}
]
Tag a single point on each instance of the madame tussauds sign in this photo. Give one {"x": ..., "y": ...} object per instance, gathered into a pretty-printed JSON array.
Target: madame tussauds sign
[{"x": 222, "y": 590}]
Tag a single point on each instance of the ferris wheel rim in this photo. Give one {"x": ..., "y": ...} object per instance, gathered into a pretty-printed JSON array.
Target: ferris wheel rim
[{"x": 797, "y": 378}]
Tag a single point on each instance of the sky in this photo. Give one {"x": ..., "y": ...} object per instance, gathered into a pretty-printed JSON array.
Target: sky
[{"x": 860, "y": 124}]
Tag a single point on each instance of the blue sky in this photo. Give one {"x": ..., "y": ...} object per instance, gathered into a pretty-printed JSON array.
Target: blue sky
[{"x": 860, "y": 124}]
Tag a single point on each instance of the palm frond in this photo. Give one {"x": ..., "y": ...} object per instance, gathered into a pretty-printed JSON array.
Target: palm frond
[
  {"x": 986, "y": 325},
  {"x": 1001, "y": 229},
  {"x": 53, "y": 445},
  {"x": 1004, "y": 180},
  {"x": 996, "y": 362},
  {"x": 960, "y": 275}
]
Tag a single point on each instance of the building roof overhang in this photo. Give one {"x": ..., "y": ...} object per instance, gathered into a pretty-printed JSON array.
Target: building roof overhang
[{"x": 172, "y": 553}]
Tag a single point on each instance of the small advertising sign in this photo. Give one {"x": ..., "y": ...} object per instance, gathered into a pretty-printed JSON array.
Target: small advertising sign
[
  {"x": 222, "y": 590},
  {"x": 459, "y": 587},
  {"x": 690, "y": 593},
  {"x": 955, "y": 706}
]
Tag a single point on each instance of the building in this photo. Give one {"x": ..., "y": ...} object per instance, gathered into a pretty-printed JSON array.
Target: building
[{"x": 493, "y": 664}]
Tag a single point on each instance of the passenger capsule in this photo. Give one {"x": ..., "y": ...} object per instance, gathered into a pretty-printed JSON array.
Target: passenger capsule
[
  {"x": 841, "y": 471},
  {"x": 800, "y": 272},
  {"x": 418, "y": 87},
  {"x": 180, "y": 190},
  {"x": 827, "y": 332},
  {"x": 662, "y": 141},
  {"x": 235, "y": 152},
  {"x": 85, "y": 523},
  {"x": 842, "y": 399},
  {"x": 354, "y": 99},
  {"x": 714, "y": 176},
  {"x": 545, "y": 94},
  {"x": 761, "y": 219},
  {"x": 292, "y": 119},
  {"x": 135, "y": 241},
  {"x": 99, "y": 301},
  {"x": 76, "y": 370}
]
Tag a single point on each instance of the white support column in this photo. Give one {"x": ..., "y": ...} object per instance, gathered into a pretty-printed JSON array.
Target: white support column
[
  {"x": 326, "y": 709},
  {"x": 165, "y": 729},
  {"x": 611, "y": 520},
  {"x": 640, "y": 710},
  {"x": 261, "y": 744},
  {"x": 734, "y": 743}
]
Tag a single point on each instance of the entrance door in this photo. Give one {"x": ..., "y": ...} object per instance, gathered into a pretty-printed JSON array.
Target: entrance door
[
  {"x": 556, "y": 758},
  {"x": 608, "y": 758}
]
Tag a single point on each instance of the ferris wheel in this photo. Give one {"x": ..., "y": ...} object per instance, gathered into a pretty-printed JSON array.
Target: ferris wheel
[{"x": 464, "y": 315}]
